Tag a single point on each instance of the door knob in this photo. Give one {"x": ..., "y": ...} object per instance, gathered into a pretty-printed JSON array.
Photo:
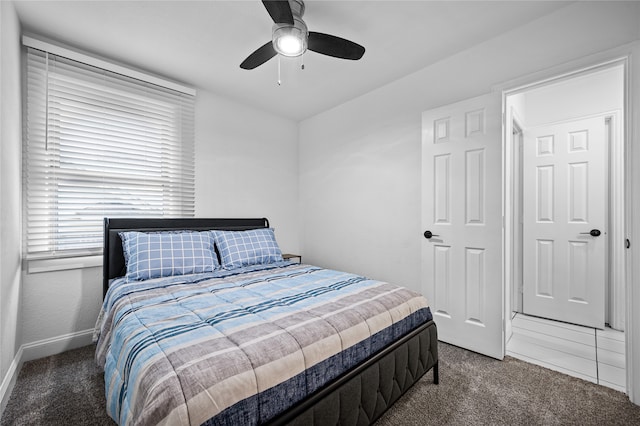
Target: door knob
[
  {"x": 593, "y": 233},
  {"x": 428, "y": 234}
]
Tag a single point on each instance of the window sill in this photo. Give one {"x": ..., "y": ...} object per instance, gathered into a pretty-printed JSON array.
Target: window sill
[{"x": 36, "y": 266}]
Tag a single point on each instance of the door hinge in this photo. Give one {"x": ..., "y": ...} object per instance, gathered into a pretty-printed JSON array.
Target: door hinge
[{"x": 628, "y": 243}]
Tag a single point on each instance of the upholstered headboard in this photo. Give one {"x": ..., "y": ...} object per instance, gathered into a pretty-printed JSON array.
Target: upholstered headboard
[{"x": 113, "y": 255}]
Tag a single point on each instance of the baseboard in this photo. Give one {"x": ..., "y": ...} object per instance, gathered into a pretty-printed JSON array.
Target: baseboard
[
  {"x": 40, "y": 349},
  {"x": 56, "y": 345},
  {"x": 9, "y": 380}
]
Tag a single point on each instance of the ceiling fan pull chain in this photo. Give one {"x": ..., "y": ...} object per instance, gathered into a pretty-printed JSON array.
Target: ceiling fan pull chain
[
  {"x": 302, "y": 60},
  {"x": 279, "y": 81}
]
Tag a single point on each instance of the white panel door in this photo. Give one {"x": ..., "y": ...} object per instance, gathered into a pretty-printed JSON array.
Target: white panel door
[
  {"x": 462, "y": 211},
  {"x": 565, "y": 198}
]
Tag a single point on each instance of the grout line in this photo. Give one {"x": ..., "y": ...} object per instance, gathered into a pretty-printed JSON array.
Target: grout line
[{"x": 595, "y": 338}]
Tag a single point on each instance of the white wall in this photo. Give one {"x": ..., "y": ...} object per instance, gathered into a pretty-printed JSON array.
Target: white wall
[
  {"x": 247, "y": 166},
  {"x": 360, "y": 189},
  {"x": 360, "y": 162},
  {"x": 591, "y": 94},
  {"x": 10, "y": 193},
  {"x": 57, "y": 305}
]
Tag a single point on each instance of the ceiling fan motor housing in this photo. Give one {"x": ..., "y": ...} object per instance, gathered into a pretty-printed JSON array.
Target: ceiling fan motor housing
[{"x": 291, "y": 40}]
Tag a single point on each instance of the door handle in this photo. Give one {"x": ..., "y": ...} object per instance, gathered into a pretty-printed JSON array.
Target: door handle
[
  {"x": 428, "y": 234},
  {"x": 593, "y": 233}
]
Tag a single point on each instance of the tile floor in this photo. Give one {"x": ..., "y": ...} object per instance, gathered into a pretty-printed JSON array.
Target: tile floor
[{"x": 590, "y": 354}]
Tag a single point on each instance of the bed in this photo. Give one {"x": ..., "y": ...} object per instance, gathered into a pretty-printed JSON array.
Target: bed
[{"x": 267, "y": 342}]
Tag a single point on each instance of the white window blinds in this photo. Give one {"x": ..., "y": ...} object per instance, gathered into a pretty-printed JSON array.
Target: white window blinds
[{"x": 99, "y": 144}]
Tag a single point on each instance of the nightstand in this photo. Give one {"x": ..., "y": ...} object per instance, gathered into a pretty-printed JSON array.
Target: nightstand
[{"x": 289, "y": 256}]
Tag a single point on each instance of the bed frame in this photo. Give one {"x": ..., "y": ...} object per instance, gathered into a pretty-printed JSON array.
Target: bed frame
[{"x": 361, "y": 395}]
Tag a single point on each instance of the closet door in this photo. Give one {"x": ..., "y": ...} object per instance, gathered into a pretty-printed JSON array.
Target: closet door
[
  {"x": 462, "y": 222},
  {"x": 565, "y": 221}
]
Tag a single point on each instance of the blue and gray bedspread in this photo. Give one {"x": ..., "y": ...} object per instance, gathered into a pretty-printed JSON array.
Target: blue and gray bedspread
[{"x": 241, "y": 346}]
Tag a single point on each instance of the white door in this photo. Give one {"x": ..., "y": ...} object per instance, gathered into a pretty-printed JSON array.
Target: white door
[
  {"x": 462, "y": 209},
  {"x": 564, "y": 221}
]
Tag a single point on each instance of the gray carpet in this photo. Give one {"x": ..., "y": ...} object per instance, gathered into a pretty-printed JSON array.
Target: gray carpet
[
  {"x": 65, "y": 389},
  {"x": 68, "y": 389}
]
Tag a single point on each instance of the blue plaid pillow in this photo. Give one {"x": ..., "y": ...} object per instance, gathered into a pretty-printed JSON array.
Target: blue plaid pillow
[
  {"x": 162, "y": 254},
  {"x": 244, "y": 248}
]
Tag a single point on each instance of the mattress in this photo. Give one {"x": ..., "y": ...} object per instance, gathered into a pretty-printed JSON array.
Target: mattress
[{"x": 241, "y": 346}]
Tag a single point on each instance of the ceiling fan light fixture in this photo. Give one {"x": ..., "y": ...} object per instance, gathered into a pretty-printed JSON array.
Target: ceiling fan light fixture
[
  {"x": 290, "y": 40},
  {"x": 289, "y": 45}
]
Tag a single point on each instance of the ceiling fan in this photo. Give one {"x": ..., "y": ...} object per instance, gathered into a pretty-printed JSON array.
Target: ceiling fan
[{"x": 290, "y": 37}]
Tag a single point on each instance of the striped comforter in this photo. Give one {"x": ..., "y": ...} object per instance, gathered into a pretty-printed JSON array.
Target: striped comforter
[{"x": 240, "y": 347}]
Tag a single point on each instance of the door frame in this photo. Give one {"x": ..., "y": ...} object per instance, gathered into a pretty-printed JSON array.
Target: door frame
[
  {"x": 619, "y": 178},
  {"x": 516, "y": 276}
]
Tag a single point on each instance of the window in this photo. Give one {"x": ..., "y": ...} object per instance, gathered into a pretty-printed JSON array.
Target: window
[{"x": 99, "y": 144}]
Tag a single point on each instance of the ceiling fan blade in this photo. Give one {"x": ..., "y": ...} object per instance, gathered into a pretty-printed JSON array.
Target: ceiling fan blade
[
  {"x": 334, "y": 46},
  {"x": 259, "y": 57},
  {"x": 279, "y": 10}
]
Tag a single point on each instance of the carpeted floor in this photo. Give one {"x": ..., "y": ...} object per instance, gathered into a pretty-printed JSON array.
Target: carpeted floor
[
  {"x": 64, "y": 389},
  {"x": 68, "y": 389},
  {"x": 477, "y": 390}
]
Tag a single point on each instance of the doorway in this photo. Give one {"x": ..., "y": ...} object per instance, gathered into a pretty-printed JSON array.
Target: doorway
[{"x": 552, "y": 270}]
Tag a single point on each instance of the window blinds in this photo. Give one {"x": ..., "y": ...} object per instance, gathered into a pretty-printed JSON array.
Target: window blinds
[{"x": 99, "y": 144}]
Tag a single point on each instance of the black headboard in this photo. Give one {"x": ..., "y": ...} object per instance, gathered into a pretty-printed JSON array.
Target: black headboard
[{"x": 113, "y": 265}]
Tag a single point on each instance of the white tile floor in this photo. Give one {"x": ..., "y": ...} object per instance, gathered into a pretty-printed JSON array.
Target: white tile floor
[{"x": 587, "y": 353}]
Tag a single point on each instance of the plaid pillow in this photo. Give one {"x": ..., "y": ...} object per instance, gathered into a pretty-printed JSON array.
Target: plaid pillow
[
  {"x": 244, "y": 248},
  {"x": 162, "y": 254}
]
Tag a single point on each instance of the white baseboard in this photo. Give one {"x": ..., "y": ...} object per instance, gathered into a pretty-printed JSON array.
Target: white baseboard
[
  {"x": 9, "y": 380},
  {"x": 56, "y": 345},
  {"x": 40, "y": 349}
]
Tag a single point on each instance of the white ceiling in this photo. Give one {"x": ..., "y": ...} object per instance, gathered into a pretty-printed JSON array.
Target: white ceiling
[{"x": 202, "y": 43}]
